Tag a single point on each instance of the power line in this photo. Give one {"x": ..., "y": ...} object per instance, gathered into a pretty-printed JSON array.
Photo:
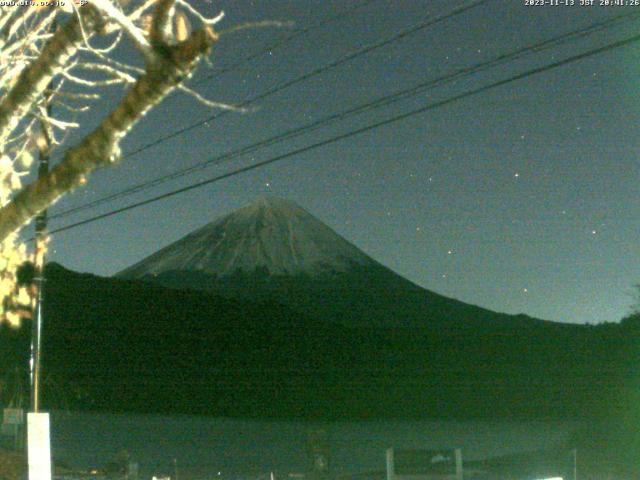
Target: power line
[
  {"x": 370, "y": 105},
  {"x": 284, "y": 40},
  {"x": 388, "y": 121},
  {"x": 350, "y": 56},
  {"x": 317, "y": 71}
]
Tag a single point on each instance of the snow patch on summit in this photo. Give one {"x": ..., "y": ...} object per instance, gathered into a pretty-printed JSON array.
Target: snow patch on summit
[{"x": 270, "y": 234}]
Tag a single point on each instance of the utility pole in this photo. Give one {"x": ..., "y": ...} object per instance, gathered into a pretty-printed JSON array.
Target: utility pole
[
  {"x": 44, "y": 152},
  {"x": 45, "y": 144},
  {"x": 38, "y": 424}
]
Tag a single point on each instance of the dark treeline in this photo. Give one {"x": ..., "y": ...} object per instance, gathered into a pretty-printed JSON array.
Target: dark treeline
[{"x": 121, "y": 345}]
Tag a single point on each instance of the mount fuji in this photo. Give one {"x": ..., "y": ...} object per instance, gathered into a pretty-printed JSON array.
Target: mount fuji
[
  {"x": 273, "y": 249},
  {"x": 272, "y": 235}
]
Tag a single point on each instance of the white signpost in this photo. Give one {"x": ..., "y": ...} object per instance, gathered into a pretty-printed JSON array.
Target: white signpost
[{"x": 39, "y": 446}]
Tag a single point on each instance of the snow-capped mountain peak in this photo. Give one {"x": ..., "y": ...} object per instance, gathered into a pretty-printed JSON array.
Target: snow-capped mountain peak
[{"x": 271, "y": 234}]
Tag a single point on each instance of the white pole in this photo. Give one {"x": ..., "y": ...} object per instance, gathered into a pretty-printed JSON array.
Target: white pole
[
  {"x": 390, "y": 465},
  {"x": 38, "y": 446}
]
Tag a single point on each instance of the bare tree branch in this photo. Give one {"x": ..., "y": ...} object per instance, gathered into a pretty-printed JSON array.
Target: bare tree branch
[
  {"x": 34, "y": 79},
  {"x": 127, "y": 25},
  {"x": 161, "y": 28},
  {"x": 101, "y": 147}
]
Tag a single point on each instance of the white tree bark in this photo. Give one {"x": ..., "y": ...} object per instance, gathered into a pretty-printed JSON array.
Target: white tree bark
[
  {"x": 101, "y": 147},
  {"x": 34, "y": 80}
]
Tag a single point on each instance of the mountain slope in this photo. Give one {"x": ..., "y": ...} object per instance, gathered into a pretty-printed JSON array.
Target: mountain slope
[
  {"x": 271, "y": 235},
  {"x": 275, "y": 250}
]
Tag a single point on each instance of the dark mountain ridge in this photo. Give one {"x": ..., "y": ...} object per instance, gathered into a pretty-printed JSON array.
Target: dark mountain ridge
[
  {"x": 127, "y": 345},
  {"x": 275, "y": 250},
  {"x": 364, "y": 296}
]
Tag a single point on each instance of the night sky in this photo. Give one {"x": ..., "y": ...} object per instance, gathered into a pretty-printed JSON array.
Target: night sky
[{"x": 521, "y": 199}]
